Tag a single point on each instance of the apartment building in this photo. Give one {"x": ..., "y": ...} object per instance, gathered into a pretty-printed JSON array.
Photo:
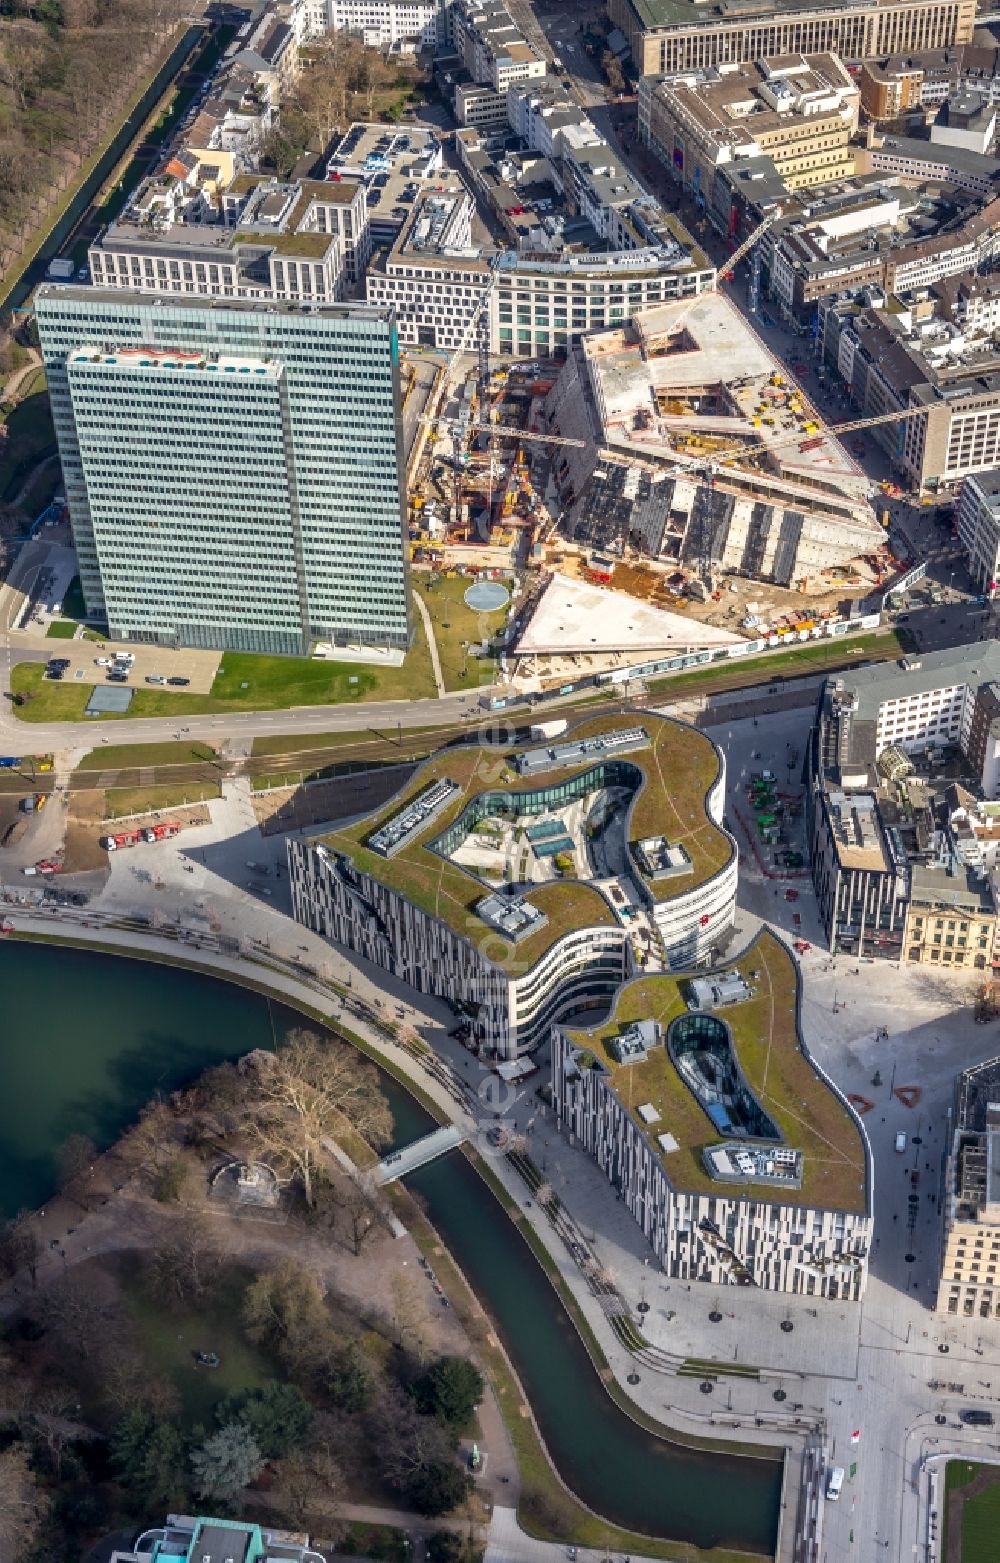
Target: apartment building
[
  {"x": 901, "y": 83},
  {"x": 800, "y": 112},
  {"x": 519, "y": 949},
  {"x": 302, "y": 241},
  {"x": 233, "y": 471},
  {"x": 979, "y": 528},
  {"x": 969, "y": 1283},
  {"x": 266, "y": 46},
  {"x": 185, "y": 1539},
  {"x": 666, "y": 1098},
  {"x": 666, "y": 36}
]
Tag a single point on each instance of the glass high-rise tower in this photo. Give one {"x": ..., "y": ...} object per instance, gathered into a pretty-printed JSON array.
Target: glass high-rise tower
[{"x": 234, "y": 471}]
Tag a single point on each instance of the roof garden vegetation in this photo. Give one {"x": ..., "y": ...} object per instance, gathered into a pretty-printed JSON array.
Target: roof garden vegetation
[
  {"x": 764, "y": 1030},
  {"x": 677, "y": 770}
]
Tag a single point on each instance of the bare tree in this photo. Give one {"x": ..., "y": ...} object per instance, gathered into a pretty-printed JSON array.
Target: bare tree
[
  {"x": 76, "y": 1162},
  {"x": 304, "y": 1093},
  {"x": 22, "y": 1506},
  {"x": 146, "y": 1146},
  {"x": 311, "y": 1483},
  {"x": 187, "y": 1263},
  {"x": 409, "y": 1312}
]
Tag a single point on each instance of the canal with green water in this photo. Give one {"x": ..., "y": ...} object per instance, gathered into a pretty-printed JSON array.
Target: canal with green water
[{"x": 86, "y": 1039}]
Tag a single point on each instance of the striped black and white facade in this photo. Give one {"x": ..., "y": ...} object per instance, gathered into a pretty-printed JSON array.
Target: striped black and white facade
[{"x": 721, "y": 1237}]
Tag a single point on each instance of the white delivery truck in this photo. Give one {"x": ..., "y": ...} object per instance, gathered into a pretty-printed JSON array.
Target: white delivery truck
[
  {"x": 60, "y": 270},
  {"x": 834, "y": 1483}
]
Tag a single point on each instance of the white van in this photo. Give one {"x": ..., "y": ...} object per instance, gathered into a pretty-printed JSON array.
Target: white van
[
  {"x": 900, "y": 1143},
  {"x": 834, "y": 1483}
]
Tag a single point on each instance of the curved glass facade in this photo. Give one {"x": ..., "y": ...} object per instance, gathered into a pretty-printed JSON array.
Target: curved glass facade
[
  {"x": 515, "y": 804},
  {"x": 701, "y": 1047}
]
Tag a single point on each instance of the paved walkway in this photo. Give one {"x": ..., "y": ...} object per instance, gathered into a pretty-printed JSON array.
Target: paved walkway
[
  {"x": 431, "y": 644},
  {"x": 15, "y": 381}
]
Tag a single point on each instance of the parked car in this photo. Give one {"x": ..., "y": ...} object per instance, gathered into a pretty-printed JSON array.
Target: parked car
[
  {"x": 178, "y": 682},
  {"x": 59, "y": 662},
  {"x": 155, "y": 678},
  {"x": 102, "y": 662},
  {"x": 114, "y": 677}
]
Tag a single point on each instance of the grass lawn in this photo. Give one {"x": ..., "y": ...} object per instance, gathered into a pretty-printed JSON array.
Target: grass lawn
[
  {"x": 376, "y": 1541},
  {"x": 61, "y": 629},
  {"x": 171, "y": 1336},
  {"x": 113, "y": 757},
  {"x": 272, "y": 684},
  {"x": 119, "y": 801},
  {"x": 455, "y": 625},
  {"x": 809, "y": 658},
  {"x": 980, "y": 1513}
]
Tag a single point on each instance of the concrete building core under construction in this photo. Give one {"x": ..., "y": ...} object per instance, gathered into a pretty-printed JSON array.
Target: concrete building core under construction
[{"x": 728, "y": 465}]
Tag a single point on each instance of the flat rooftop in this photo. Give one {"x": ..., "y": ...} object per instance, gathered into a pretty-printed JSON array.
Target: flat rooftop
[
  {"x": 575, "y": 618},
  {"x": 974, "y": 664},
  {"x": 678, "y": 768},
  {"x": 764, "y": 1030},
  {"x": 656, "y": 14}
]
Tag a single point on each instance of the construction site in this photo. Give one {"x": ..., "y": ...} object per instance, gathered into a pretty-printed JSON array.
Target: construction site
[{"x": 671, "y": 459}]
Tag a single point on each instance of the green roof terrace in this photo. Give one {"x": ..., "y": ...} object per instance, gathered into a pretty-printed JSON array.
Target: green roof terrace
[
  {"x": 810, "y": 1115},
  {"x": 669, "y": 779}
]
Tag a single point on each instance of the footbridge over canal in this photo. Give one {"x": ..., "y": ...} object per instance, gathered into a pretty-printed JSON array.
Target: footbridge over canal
[{"x": 398, "y": 1163}]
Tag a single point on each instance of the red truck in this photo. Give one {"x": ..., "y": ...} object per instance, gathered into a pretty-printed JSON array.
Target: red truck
[
  {"x": 161, "y": 832},
  {"x": 123, "y": 838}
]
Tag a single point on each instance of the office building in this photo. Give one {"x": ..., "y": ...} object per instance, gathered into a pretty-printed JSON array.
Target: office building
[
  {"x": 891, "y": 877},
  {"x": 530, "y": 886},
  {"x": 233, "y": 472},
  {"x": 800, "y": 113},
  {"x": 250, "y": 237},
  {"x": 979, "y": 528},
  {"x": 740, "y": 1161},
  {"x": 665, "y": 36},
  {"x": 185, "y": 1539},
  {"x": 395, "y": 26},
  {"x": 908, "y": 355},
  {"x": 487, "y": 53},
  {"x": 966, "y": 119},
  {"x": 969, "y": 1283}
]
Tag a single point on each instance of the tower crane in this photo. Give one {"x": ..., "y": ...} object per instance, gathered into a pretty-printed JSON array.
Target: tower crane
[
  {"x": 850, "y": 427},
  {"x": 742, "y": 249}
]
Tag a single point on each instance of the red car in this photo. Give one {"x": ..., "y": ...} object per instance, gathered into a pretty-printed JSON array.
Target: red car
[{"x": 791, "y": 895}]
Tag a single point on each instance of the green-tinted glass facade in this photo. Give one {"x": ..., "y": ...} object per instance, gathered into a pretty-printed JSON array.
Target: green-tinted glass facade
[{"x": 234, "y": 473}]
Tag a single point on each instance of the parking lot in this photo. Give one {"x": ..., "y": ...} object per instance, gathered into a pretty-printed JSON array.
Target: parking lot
[{"x": 83, "y": 656}]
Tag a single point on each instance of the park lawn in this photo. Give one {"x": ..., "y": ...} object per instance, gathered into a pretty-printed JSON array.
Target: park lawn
[
  {"x": 61, "y": 629},
  {"x": 114, "y": 757},
  {"x": 455, "y": 625},
  {"x": 122, "y": 801},
  {"x": 171, "y": 1335},
  {"x": 272, "y": 684}
]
